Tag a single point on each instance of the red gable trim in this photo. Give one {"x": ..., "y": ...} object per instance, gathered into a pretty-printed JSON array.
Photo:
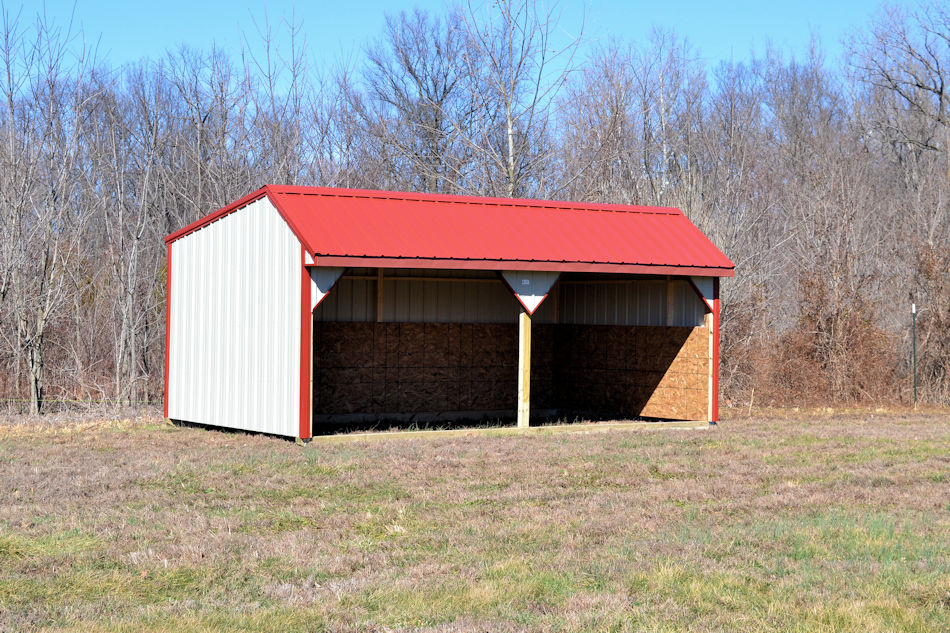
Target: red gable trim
[
  {"x": 266, "y": 190},
  {"x": 217, "y": 215}
]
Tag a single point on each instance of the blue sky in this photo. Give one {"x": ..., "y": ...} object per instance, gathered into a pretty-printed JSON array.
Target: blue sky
[{"x": 128, "y": 31}]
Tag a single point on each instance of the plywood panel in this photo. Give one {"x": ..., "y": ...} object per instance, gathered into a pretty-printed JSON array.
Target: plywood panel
[
  {"x": 417, "y": 367},
  {"x": 611, "y": 371},
  {"x": 623, "y": 371}
]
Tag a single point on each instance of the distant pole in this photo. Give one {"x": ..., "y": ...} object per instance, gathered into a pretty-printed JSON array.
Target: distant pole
[{"x": 913, "y": 311}]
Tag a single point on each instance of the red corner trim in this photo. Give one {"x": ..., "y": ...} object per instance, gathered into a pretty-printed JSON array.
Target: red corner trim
[
  {"x": 715, "y": 333},
  {"x": 305, "y": 342},
  {"x": 266, "y": 190},
  {"x": 168, "y": 319}
]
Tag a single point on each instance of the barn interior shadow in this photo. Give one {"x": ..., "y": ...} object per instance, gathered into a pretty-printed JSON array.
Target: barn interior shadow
[
  {"x": 601, "y": 372},
  {"x": 414, "y": 376}
]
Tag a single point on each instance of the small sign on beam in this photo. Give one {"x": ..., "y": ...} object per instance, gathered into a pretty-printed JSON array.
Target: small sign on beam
[{"x": 530, "y": 287}]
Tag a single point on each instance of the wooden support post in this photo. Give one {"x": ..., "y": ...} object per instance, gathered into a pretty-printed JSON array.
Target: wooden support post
[{"x": 524, "y": 369}]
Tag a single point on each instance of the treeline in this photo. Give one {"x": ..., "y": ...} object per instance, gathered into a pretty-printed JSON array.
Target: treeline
[{"x": 828, "y": 185}]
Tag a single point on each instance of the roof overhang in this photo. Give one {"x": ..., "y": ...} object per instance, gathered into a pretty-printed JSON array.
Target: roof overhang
[{"x": 348, "y": 261}]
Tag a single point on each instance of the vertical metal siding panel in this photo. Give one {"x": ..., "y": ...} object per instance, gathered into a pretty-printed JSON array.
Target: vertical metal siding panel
[
  {"x": 218, "y": 329},
  {"x": 261, "y": 377},
  {"x": 210, "y": 340},
  {"x": 236, "y": 323},
  {"x": 357, "y": 302},
  {"x": 200, "y": 306},
  {"x": 389, "y": 300},
  {"x": 420, "y": 301},
  {"x": 627, "y": 312},
  {"x": 638, "y": 298},
  {"x": 194, "y": 351},
  {"x": 690, "y": 310},
  {"x": 369, "y": 300},
  {"x": 270, "y": 417},
  {"x": 227, "y": 315},
  {"x": 581, "y": 302},
  {"x": 416, "y": 299},
  {"x": 615, "y": 298},
  {"x": 289, "y": 248},
  {"x": 254, "y": 263},
  {"x": 184, "y": 314},
  {"x": 209, "y": 401},
  {"x": 174, "y": 340},
  {"x": 603, "y": 304},
  {"x": 429, "y": 304},
  {"x": 345, "y": 304},
  {"x": 262, "y": 382}
]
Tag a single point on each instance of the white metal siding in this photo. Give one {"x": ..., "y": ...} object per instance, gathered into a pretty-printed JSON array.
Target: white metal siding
[{"x": 234, "y": 349}]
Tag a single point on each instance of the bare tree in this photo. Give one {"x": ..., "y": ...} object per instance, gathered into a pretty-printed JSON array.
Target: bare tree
[
  {"x": 44, "y": 127},
  {"x": 417, "y": 102},
  {"x": 517, "y": 70}
]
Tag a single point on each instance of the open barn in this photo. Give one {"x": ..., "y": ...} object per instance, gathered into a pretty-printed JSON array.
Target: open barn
[{"x": 298, "y": 309}]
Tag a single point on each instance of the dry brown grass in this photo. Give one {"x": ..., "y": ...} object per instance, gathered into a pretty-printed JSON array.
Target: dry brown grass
[{"x": 822, "y": 521}]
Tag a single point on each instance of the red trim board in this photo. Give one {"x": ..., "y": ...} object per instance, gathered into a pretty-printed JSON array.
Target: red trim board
[
  {"x": 168, "y": 320},
  {"x": 715, "y": 360},
  {"x": 306, "y": 331}
]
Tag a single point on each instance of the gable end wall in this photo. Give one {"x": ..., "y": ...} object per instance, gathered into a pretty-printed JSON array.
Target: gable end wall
[{"x": 234, "y": 323}]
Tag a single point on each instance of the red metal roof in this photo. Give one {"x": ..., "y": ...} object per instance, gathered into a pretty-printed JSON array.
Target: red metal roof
[{"x": 351, "y": 227}]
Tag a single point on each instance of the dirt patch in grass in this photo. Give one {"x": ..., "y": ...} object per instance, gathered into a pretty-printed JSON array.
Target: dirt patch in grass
[{"x": 823, "y": 521}]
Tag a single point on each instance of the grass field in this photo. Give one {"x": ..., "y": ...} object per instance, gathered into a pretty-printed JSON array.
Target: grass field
[{"x": 816, "y": 523}]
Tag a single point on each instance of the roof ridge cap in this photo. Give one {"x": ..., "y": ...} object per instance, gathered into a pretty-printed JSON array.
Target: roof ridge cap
[{"x": 532, "y": 203}]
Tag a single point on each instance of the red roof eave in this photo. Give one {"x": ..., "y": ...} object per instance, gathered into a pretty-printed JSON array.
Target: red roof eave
[{"x": 510, "y": 264}]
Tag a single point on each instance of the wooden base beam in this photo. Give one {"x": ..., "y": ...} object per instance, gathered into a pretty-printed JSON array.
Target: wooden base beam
[{"x": 524, "y": 369}]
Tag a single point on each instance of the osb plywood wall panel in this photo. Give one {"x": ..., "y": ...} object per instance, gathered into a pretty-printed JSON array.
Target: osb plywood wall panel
[
  {"x": 622, "y": 371},
  {"x": 378, "y": 368},
  {"x": 614, "y": 371}
]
